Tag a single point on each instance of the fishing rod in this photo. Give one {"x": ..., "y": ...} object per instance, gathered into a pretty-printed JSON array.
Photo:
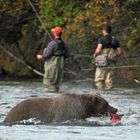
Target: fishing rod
[
  {"x": 122, "y": 66},
  {"x": 27, "y": 64},
  {"x": 128, "y": 57},
  {"x": 21, "y": 61},
  {"x": 41, "y": 22},
  {"x": 89, "y": 56}
]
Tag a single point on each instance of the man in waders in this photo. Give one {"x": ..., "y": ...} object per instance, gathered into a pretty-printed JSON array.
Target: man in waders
[
  {"x": 54, "y": 55},
  {"x": 109, "y": 46}
]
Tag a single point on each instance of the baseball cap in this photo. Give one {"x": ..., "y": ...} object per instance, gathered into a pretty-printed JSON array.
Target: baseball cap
[{"x": 57, "y": 30}]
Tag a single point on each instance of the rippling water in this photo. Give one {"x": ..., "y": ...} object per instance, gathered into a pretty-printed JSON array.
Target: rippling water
[{"x": 127, "y": 100}]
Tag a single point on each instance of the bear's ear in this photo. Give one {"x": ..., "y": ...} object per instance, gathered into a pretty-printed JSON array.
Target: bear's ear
[
  {"x": 98, "y": 94},
  {"x": 87, "y": 97},
  {"x": 95, "y": 100}
]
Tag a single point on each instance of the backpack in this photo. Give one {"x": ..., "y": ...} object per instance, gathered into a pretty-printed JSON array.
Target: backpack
[
  {"x": 115, "y": 43},
  {"x": 59, "y": 48}
]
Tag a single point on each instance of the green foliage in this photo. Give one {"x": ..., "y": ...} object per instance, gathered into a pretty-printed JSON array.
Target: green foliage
[
  {"x": 133, "y": 1},
  {"x": 136, "y": 32},
  {"x": 12, "y": 7},
  {"x": 87, "y": 24},
  {"x": 58, "y": 12},
  {"x": 131, "y": 24}
]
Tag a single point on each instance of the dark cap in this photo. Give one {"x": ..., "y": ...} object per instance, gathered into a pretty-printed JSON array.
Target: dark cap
[{"x": 107, "y": 28}]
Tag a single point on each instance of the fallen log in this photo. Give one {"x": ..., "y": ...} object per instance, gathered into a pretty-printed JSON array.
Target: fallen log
[{"x": 21, "y": 61}]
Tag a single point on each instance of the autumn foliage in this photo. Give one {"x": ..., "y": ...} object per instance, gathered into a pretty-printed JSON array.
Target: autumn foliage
[{"x": 81, "y": 20}]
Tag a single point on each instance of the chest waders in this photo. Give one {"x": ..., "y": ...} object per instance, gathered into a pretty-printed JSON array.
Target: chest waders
[
  {"x": 54, "y": 70},
  {"x": 104, "y": 77}
]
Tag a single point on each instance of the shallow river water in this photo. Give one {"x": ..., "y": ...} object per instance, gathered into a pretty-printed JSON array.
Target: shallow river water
[{"x": 127, "y": 100}]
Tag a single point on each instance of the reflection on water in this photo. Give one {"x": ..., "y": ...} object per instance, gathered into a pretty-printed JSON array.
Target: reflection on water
[{"x": 93, "y": 128}]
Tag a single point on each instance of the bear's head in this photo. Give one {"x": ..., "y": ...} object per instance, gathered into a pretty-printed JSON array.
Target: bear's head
[{"x": 98, "y": 105}]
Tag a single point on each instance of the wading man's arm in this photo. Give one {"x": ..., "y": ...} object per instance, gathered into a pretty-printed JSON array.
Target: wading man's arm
[{"x": 98, "y": 50}]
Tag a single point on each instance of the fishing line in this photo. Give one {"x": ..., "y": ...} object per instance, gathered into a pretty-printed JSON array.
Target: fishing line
[
  {"x": 41, "y": 22},
  {"x": 43, "y": 44},
  {"x": 21, "y": 61}
]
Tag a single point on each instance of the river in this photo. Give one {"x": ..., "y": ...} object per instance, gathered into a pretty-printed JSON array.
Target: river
[{"x": 127, "y": 100}]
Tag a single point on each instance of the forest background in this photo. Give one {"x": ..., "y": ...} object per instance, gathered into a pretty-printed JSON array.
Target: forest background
[{"x": 22, "y": 34}]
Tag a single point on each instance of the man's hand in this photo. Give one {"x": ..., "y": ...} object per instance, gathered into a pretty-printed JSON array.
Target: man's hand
[
  {"x": 39, "y": 56},
  {"x": 119, "y": 52},
  {"x": 94, "y": 55}
]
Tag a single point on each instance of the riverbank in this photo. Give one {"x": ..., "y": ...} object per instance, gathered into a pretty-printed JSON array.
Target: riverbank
[{"x": 78, "y": 81}]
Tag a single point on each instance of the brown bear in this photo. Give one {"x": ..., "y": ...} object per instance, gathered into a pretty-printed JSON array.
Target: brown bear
[{"x": 60, "y": 108}]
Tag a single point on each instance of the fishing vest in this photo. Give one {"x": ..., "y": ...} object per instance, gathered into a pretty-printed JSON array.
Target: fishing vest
[{"x": 59, "y": 48}]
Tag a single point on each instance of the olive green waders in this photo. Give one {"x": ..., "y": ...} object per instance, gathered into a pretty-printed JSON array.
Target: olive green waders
[
  {"x": 103, "y": 76},
  {"x": 53, "y": 74}
]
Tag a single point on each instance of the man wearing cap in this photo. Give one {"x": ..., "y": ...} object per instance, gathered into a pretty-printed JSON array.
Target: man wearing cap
[
  {"x": 110, "y": 47},
  {"x": 54, "y": 55}
]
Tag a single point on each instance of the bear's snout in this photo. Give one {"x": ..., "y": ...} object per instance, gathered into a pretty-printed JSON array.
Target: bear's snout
[
  {"x": 112, "y": 110},
  {"x": 115, "y": 110}
]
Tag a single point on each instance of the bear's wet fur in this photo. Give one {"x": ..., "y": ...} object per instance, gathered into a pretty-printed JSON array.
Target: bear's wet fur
[{"x": 60, "y": 108}]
